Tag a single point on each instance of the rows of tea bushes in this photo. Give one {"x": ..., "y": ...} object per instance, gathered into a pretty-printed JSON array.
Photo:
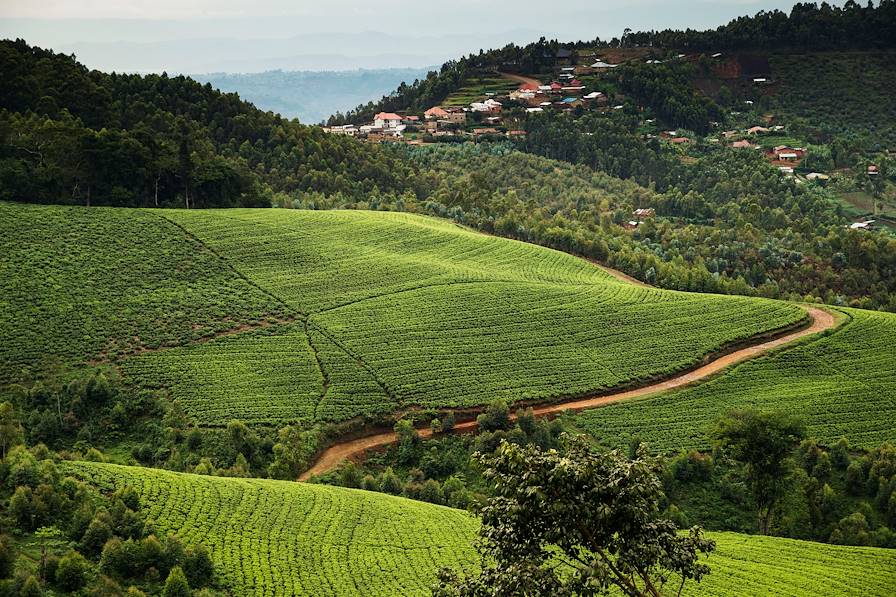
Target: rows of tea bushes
[
  {"x": 277, "y": 538},
  {"x": 277, "y": 316},
  {"x": 317, "y": 260},
  {"x": 757, "y": 565},
  {"x": 267, "y": 375},
  {"x": 466, "y": 344},
  {"x": 274, "y": 538},
  {"x": 843, "y": 384},
  {"x": 80, "y": 284}
]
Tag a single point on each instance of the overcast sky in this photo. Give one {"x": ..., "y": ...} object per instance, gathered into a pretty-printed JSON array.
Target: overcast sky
[{"x": 246, "y": 36}]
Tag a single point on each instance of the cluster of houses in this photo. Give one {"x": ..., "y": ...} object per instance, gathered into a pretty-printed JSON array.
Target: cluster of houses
[
  {"x": 453, "y": 120},
  {"x": 569, "y": 95}
]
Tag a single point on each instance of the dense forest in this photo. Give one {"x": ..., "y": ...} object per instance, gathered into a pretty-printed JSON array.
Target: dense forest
[
  {"x": 808, "y": 26},
  {"x": 69, "y": 134}
]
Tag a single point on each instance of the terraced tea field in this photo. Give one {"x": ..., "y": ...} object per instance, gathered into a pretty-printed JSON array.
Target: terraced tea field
[
  {"x": 757, "y": 565},
  {"x": 425, "y": 313},
  {"x": 283, "y": 538},
  {"x": 80, "y": 284},
  {"x": 843, "y": 384},
  {"x": 327, "y": 316},
  {"x": 275, "y": 537}
]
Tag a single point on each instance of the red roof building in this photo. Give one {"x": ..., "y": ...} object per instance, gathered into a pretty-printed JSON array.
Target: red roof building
[{"x": 436, "y": 112}]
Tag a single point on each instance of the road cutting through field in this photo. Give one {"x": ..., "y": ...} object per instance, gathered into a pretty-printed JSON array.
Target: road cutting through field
[{"x": 821, "y": 320}]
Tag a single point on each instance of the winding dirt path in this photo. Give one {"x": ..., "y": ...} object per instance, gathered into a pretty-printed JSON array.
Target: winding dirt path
[
  {"x": 821, "y": 321},
  {"x": 520, "y": 78}
]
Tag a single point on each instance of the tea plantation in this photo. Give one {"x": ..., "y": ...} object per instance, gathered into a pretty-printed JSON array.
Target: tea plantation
[
  {"x": 843, "y": 384},
  {"x": 272, "y": 316},
  {"x": 80, "y": 284},
  {"x": 275, "y": 538}
]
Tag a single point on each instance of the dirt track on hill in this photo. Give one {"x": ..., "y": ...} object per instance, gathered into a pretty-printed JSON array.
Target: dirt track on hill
[
  {"x": 520, "y": 79},
  {"x": 821, "y": 321}
]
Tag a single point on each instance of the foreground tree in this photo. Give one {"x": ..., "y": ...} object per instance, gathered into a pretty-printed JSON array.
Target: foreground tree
[
  {"x": 577, "y": 523},
  {"x": 764, "y": 442}
]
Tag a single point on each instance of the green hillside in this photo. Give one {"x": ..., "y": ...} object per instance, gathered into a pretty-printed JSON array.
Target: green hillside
[
  {"x": 273, "y": 316},
  {"x": 79, "y": 285},
  {"x": 841, "y": 383},
  {"x": 276, "y": 537}
]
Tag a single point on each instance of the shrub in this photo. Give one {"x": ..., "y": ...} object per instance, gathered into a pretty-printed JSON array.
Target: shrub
[
  {"x": 7, "y": 557},
  {"x": 389, "y": 482},
  {"x": 496, "y": 416},
  {"x": 176, "y": 584},
  {"x": 73, "y": 571},
  {"x": 198, "y": 566}
]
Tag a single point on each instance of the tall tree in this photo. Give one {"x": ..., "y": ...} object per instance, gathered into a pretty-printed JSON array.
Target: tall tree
[
  {"x": 764, "y": 442},
  {"x": 577, "y": 523}
]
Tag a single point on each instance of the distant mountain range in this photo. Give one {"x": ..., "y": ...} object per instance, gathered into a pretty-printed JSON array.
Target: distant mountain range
[
  {"x": 312, "y": 96},
  {"x": 307, "y": 51}
]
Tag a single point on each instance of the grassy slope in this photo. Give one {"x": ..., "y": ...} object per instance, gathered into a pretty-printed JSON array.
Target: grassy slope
[
  {"x": 276, "y": 537},
  {"x": 77, "y": 284},
  {"x": 391, "y": 310},
  {"x": 426, "y": 313},
  {"x": 842, "y": 383}
]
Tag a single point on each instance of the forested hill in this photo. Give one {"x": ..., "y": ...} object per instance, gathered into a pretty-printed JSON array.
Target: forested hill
[
  {"x": 808, "y": 27},
  {"x": 70, "y": 134}
]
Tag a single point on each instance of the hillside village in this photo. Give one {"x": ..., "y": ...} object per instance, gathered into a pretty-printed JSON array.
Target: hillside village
[{"x": 497, "y": 104}]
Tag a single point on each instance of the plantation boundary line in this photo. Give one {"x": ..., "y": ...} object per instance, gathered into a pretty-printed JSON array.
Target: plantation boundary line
[
  {"x": 326, "y": 333},
  {"x": 822, "y": 320},
  {"x": 229, "y": 265},
  {"x": 320, "y": 367},
  {"x": 243, "y": 328}
]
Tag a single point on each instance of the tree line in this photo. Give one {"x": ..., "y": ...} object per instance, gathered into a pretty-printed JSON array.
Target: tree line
[{"x": 73, "y": 135}]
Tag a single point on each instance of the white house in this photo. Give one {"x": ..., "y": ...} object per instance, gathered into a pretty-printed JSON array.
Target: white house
[{"x": 386, "y": 120}]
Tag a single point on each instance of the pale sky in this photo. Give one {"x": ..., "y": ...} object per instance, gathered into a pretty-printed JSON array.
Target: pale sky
[{"x": 252, "y": 35}]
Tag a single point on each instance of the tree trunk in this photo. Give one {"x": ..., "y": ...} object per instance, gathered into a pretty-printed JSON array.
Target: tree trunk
[
  {"x": 156, "y": 194},
  {"x": 88, "y": 195}
]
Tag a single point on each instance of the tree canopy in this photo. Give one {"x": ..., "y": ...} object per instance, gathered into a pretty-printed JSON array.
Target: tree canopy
[{"x": 577, "y": 522}]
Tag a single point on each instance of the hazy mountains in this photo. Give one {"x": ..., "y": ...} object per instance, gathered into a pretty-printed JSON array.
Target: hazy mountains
[{"x": 312, "y": 96}]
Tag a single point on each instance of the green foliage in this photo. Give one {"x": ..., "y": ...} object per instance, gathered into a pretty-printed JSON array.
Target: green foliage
[
  {"x": 398, "y": 545},
  {"x": 10, "y": 429},
  {"x": 417, "y": 274},
  {"x": 176, "y": 584},
  {"x": 763, "y": 442},
  {"x": 668, "y": 90},
  {"x": 495, "y": 417},
  {"x": 73, "y": 571},
  {"x": 596, "y": 513},
  {"x": 77, "y": 136},
  {"x": 7, "y": 556},
  {"x": 111, "y": 283},
  {"x": 839, "y": 384},
  {"x": 862, "y": 108}
]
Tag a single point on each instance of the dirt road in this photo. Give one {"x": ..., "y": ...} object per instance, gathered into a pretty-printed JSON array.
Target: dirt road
[
  {"x": 821, "y": 321},
  {"x": 520, "y": 78}
]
